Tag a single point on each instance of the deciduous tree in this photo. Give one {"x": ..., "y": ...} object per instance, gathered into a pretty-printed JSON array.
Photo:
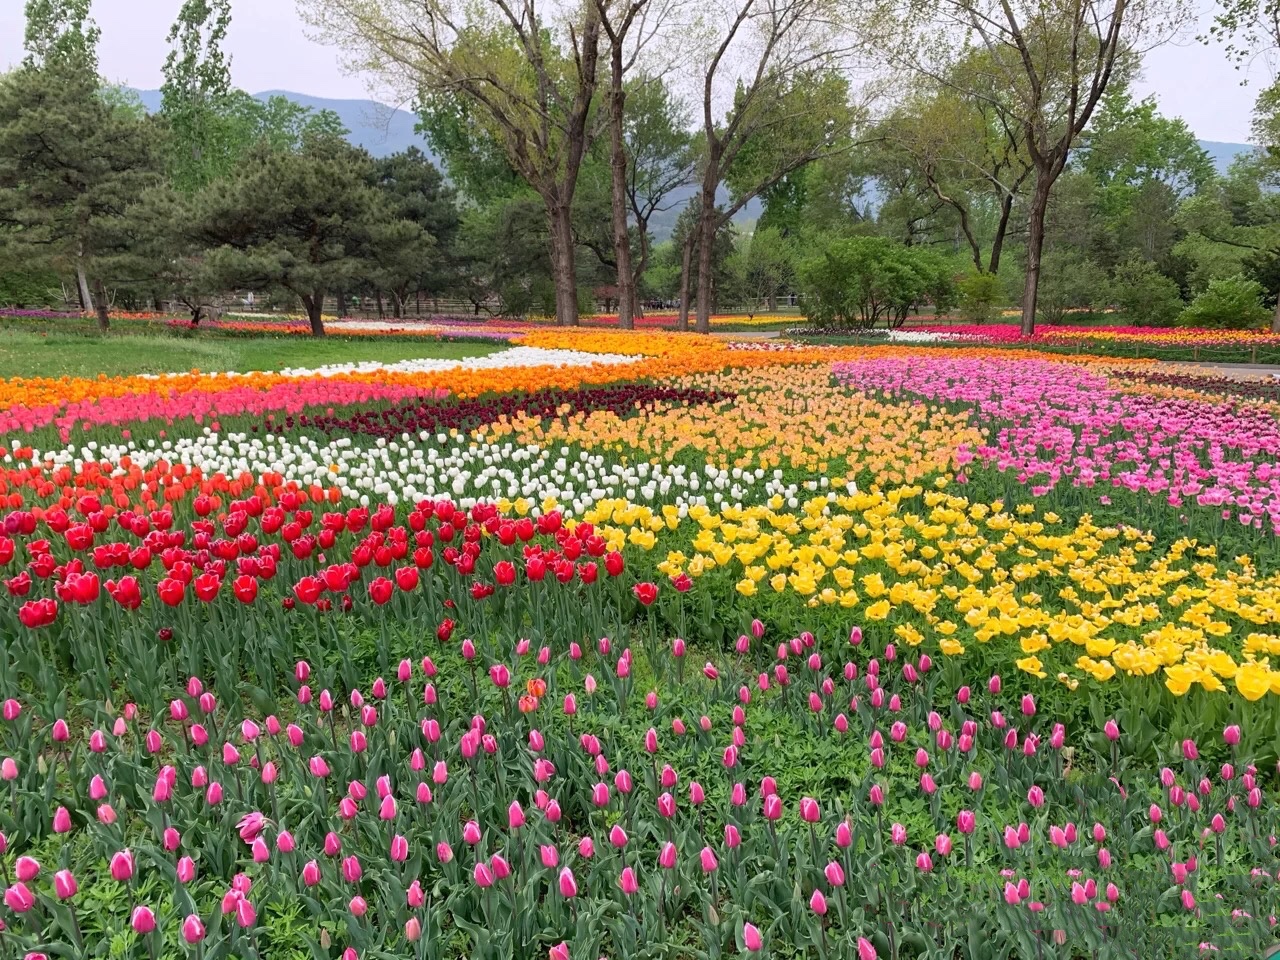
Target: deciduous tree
[{"x": 526, "y": 74}]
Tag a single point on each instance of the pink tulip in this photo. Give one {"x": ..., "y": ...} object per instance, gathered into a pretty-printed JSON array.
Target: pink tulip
[
  {"x": 64, "y": 885},
  {"x": 186, "y": 870},
  {"x": 834, "y": 874},
  {"x": 62, "y": 821},
  {"x": 568, "y": 885},
  {"x": 483, "y": 875},
  {"x": 471, "y": 833},
  {"x": 143, "y": 920},
  {"x": 550, "y": 856},
  {"x": 399, "y": 849},
  {"x": 627, "y": 881},
  {"x": 121, "y": 866},
  {"x": 866, "y": 951},
  {"x": 708, "y": 860},
  {"x": 818, "y": 903},
  {"x": 515, "y": 816},
  {"x": 667, "y": 856},
  {"x": 193, "y": 930},
  {"x": 351, "y": 869},
  {"x": 415, "y": 896},
  {"x": 311, "y": 873},
  {"x": 751, "y": 938},
  {"x": 19, "y": 898}
]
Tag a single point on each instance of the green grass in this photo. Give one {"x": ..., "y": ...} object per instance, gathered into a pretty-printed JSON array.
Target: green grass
[{"x": 27, "y": 354}]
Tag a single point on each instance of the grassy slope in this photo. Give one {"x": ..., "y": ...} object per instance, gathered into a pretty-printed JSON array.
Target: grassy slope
[{"x": 25, "y": 354}]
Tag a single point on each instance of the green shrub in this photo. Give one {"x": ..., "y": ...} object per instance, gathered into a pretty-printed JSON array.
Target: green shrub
[
  {"x": 855, "y": 282},
  {"x": 28, "y": 289},
  {"x": 1145, "y": 295},
  {"x": 1233, "y": 303},
  {"x": 1068, "y": 282},
  {"x": 979, "y": 295}
]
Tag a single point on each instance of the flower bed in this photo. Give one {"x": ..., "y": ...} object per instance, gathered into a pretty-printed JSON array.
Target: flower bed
[{"x": 663, "y": 647}]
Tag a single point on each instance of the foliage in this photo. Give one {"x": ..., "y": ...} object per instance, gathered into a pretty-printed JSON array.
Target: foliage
[
  {"x": 308, "y": 222},
  {"x": 1129, "y": 144},
  {"x": 980, "y": 295},
  {"x": 72, "y": 163},
  {"x": 415, "y": 192},
  {"x": 205, "y": 139},
  {"x": 856, "y": 282},
  {"x": 1145, "y": 296},
  {"x": 767, "y": 268},
  {"x": 27, "y": 284},
  {"x": 1071, "y": 282},
  {"x": 1233, "y": 303},
  {"x": 60, "y": 34}
]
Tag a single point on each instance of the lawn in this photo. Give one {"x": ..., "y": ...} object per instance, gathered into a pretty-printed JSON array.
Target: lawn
[{"x": 26, "y": 354}]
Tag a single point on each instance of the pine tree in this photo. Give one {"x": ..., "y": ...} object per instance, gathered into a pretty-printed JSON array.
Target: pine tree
[{"x": 309, "y": 222}]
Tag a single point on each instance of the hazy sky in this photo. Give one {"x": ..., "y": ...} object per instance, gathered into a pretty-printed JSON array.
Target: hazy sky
[{"x": 270, "y": 51}]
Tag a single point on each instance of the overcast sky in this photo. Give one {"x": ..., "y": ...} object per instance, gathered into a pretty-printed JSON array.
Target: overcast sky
[{"x": 270, "y": 52}]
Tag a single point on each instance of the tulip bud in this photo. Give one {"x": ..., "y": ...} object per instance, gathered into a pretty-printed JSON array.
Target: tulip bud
[
  {"x": 143, "y": 920},
  {"x": 193, "y": 930},
  {"x": 64, "y": 885}
]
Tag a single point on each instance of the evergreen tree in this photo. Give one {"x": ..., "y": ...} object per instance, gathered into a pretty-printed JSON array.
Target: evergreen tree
[
  {"x": 73, "y": 157},
  {"x": 309, "y": 222}
]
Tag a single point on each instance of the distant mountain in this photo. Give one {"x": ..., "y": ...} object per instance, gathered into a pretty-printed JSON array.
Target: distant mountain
[
  {"x": 380, "y": 129},
  {"x": 1223, "y": 153}
]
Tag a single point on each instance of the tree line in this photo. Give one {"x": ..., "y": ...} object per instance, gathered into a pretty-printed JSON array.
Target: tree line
[{"x": 606, "y": 150}]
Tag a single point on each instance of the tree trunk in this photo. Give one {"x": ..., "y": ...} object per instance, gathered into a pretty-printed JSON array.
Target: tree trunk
[
  {"x": 562, "y": 266},
  {"x": 640, "y": 266},
  {"x": 1035, "y": 247},
  {"x": 686, "y": 279},
  {"x": 314, "y": 302},
  {"x": 1275, "y": 319},
  {"x": 100, "y": 298},
  {"x": 706, "y": 254},
  {"x": 342, "y": 304},
  {"x": 1002, "y": 227},
  {"x": 707, "y": 239},
  {"x": 82, "y": 284},
  {"x": 618, "y": 176}
]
